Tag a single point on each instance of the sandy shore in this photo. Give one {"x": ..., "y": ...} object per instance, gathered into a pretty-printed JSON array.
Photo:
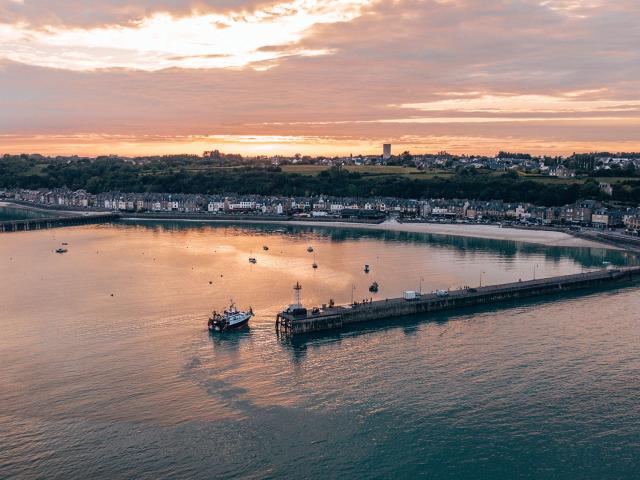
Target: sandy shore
[{"x": 491, "y": 232}]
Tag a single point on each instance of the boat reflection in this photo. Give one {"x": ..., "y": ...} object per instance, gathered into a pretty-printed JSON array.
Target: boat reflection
[
  {"x": 231, "y": 339},
  {"x": 586, "y": 256}
]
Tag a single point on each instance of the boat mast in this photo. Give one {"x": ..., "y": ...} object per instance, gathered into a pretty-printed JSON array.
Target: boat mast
[{"x": 297, "y": 287}]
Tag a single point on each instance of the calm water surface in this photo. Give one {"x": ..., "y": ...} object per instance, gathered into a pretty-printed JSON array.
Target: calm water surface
[
  {"x": 108, "y": 370},
  {"x": 12, "y": 212}
]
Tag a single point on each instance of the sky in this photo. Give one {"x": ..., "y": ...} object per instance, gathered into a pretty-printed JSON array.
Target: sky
[{"x": 138, "y": 77}]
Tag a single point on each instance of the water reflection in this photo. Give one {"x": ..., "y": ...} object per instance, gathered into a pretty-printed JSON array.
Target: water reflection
[
  {"x": 137, "y": 375},
  {"x": 9, "y": 213},
  {"x": 297, "y": 346},
  {"x": 587, "y": 257},
  {"x": 230, "y": 340}
]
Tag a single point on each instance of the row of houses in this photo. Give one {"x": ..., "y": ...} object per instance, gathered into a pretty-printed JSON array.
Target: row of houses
[
  {"x": 188, "y": 203},
  {"x": 583, "y": 213}
]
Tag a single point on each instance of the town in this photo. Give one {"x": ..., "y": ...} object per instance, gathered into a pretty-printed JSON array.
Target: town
[
  {"x": 590, "y": 190},
  {"x": 585, "y": 213},
  {"x": 572, "y": 166}
]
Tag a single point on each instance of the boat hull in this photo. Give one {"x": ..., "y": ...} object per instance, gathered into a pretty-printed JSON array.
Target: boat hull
[{"x": 217, "y": 327}]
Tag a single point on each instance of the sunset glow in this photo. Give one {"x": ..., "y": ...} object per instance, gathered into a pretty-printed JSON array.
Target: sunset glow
[
  {"x": 325, "y": 77},
  {"x": 163, "y": 41}
]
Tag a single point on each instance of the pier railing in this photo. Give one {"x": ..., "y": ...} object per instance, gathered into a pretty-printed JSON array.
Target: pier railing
[
  {"x": 54, "y": 222},
  {"x": 338, "y": 317}
]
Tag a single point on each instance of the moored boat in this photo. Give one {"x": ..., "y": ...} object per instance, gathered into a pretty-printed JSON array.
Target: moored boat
[
  {"x": 230, "y": 319},
  {"x": 61, "y": 250}
]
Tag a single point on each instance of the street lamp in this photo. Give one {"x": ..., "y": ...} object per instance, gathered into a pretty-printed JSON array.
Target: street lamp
[
  {"x": 534, "y": 270},
  {"x": 421, "y": 280},
  {"x": 481, "y": 273},
  {"x": 353, "y": 289}
]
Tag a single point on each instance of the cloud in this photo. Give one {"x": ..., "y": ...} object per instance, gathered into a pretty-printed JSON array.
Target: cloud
[
  {"x": 163, "y": 41},
  {"x": 556, "y": 74},
  {"x": 563, "y": 104},
  {"x": 84, "y": 14}
]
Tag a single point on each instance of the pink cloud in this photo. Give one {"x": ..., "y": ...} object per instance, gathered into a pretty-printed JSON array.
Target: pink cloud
[{"x": 401, "y": 53}]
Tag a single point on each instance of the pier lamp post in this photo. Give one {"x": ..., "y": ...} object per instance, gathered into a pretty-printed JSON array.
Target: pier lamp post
[
  {"x": 421, "y": 280},
  {"x": 481, "y": 274},
  {"x": 353, "y": 289},
  {"x": 534, "y": 270}
]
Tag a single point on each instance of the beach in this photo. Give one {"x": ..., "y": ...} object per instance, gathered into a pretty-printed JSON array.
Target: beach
[{"x": 491, "y": 232}]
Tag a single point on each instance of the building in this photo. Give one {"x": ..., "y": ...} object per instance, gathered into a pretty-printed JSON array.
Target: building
[
  {"x": 579, "y": 212},
  {"x": 386, "y": 151},
  {"x": 562, "y": 172},
  {"x": 606, "y": 188},
  {"x": 632, "y": 223},
  {"x": 605, "y": 218}
]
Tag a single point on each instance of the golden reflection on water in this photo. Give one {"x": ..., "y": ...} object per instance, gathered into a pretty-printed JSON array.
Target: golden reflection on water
[{"x": 116, "y": 327}]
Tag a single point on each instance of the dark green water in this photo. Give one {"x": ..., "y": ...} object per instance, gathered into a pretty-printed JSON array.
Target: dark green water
[
  {"x": 133, "y": 386},
  {"x": 8, "y": 212}
]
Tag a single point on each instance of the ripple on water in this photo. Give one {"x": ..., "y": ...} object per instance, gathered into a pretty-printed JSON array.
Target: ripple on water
[{"x": 133, "y": 386}]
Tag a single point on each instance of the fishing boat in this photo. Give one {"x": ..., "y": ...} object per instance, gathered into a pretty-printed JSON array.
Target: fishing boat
[
  {"x": 315, "y": 265},
  {"x": 61, "y": 250},
  {"x": 253, "y": 260},
  {"x": 366, "y": 268},
  {"x": 374, "y": 287},
  {"x": 230, "y": 319}
]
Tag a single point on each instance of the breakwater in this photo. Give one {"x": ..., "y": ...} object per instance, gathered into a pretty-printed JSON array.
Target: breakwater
[
  {"x": 54, "y": 222},
  {"x": 301, "y": 321}
]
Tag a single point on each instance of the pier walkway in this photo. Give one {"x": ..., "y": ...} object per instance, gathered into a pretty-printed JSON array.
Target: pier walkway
[
  {"x": 341, "y": 316},
  {"x": 53, "y": 222}
]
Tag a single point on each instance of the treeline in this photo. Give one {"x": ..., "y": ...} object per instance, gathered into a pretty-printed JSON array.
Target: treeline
[{"x": 115, "y": 175}]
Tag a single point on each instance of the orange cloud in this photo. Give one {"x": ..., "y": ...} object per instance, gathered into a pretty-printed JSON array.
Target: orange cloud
[{"x": 556, "y": 74}]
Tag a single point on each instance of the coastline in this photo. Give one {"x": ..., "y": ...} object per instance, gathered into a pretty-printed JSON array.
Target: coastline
[
  {"x": 490, "y": 232},
  {"x": 34, "y": 208}
]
